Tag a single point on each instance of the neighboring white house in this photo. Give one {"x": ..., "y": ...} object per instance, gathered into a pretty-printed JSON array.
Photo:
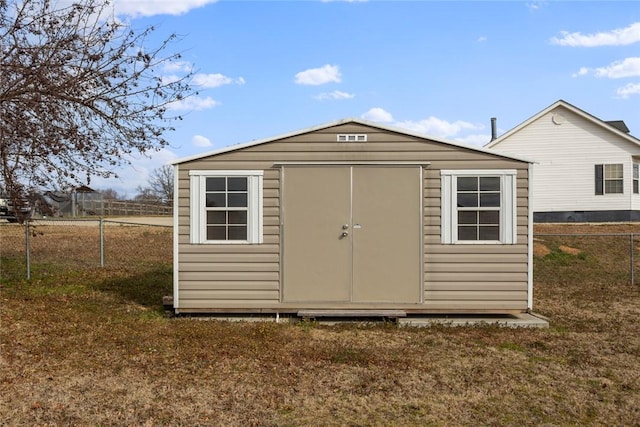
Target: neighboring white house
[{"x": 586, "y": 169}]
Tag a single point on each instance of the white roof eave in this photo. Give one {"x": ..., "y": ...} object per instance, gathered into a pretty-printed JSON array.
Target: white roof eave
[{"x": 570, "y": 107}]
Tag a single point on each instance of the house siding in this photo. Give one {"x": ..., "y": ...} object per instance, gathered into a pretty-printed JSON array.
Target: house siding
[
  {"x": 565, "y": 156},
  {"x": 462, "y": 278}
]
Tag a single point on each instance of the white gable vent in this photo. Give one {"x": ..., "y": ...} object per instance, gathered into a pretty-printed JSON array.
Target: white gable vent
[{"x": 352, "y": 137}]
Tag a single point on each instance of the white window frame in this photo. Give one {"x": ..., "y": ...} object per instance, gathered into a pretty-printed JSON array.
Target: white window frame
[
  {"x": 508, "y": 208},
  {"x": 635, "y": 182},
  {"x": 605, "y": 179},
  {"x": 198, "y": 212}
]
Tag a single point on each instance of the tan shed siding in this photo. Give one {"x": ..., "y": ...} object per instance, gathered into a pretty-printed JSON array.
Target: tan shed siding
[
  {"x": 475, "y": 276},
  {"x": 212, "y": 274},
  {"x": 455, "y": 276}
]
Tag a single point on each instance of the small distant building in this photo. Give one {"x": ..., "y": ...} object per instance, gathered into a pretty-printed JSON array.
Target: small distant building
[
  {"x": 81, "y": 201},
  {"x": 586, "y": 170}
]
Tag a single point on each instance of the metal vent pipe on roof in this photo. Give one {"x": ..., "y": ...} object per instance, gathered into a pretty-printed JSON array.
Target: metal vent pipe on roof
[{"x": 494, "y": 129}]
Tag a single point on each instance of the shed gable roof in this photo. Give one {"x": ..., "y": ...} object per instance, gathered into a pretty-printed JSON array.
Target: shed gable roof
[
  {"x": 611, "y": 126},
  {"x": 372, "y": 125}
]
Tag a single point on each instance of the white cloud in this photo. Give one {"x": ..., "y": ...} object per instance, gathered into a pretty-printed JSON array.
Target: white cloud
[
  {"x": 438, "y": 127},
  {"x": 136, "y": 8},
  {"x": 336, "y": 94},
  {"x": 378, "y": 115},
  {"x": 629, "y": 67},
  {"x": 534, "y": 5},
  {"x": 618, "y": 37},
  {"x": 194, "y": 103},
  {"x": 583, "y": 71},
  {"x": 432, "y": 126},
  {"x": 215, "y": 80},
  {"x": 170, "y": 78},
  {"x": 629, "y": 90},
  {"x": 319, "y": 76},
  {"x": 482, "y": 39},
  {"x": 201, "y": 141},
  {"x": 136, "y": 175},
  {"x": 176, "y": 66}
]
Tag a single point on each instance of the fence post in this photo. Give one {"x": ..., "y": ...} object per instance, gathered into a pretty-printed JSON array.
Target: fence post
[
  {"x": 101, "y": 242},
  {"x": 27, "y": 245}
]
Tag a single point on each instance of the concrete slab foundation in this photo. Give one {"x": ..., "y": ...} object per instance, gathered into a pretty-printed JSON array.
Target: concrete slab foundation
[{"x": 521, "y": 320}]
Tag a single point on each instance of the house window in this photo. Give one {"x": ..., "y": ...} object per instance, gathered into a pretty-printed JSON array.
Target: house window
[
  {"x": 226, "y": 206},
  {"x": 478, "y": 206},
  {"x": 609, "y": 179},
  {"x": 636, "y": 176}
]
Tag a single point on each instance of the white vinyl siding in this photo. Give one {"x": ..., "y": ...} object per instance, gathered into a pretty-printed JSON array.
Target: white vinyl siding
[
  {"x": 478, "y": 206},
  {"x": 565, "y": 156},
  {"x": 227, "y": 206}
]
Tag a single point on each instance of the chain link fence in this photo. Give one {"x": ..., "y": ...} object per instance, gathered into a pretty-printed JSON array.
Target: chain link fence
[
  {"x": 41, "y": 247},
  {"x": 604, "y": 257}
]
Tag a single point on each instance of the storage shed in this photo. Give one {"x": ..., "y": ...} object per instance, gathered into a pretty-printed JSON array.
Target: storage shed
[{"x": 352, "y": 216}]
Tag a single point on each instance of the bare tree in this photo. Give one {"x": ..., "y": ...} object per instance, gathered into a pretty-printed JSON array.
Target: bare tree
[
  {"x": 110, "y": 194},
  {"x": 160, "y": 186},
  {"x": 79, "y": 91}
]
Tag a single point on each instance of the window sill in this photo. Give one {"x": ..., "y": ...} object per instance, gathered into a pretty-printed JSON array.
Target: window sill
[
  {"x": 480, "y": 242},
  {"x": 226, "y": 242}
]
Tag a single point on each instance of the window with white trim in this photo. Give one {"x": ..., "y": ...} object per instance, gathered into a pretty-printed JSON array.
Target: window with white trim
[
  {"x": 636, "y": 177},
  {"x": 478, "y": 206},
  {"x": 226, "y": 206},
  {"x": 609, "y": 179}
]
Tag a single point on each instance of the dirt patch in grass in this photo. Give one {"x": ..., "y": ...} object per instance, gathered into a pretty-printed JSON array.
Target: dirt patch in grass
[
  {"x": 569, "y": 250},
  {"x": 90, "y": 347},
  {"x": 540, "y": 249}
]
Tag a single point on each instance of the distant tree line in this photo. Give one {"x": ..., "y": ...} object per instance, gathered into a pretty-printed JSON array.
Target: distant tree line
[{"x": 158, "y": 190}]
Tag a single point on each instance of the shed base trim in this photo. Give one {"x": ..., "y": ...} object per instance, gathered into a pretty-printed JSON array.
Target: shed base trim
[{"x": 351, "y": 313}]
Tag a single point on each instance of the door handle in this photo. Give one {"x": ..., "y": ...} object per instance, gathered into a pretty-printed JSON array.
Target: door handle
[{"x": 345, "y": 233}]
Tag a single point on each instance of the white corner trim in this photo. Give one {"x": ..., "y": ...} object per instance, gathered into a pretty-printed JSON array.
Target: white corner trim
[
  {"x": 176, "y": 239},
  {"x": 530, "y": 241}
]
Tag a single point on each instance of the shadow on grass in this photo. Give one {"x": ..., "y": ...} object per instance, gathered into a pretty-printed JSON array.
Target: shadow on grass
[{"x": 145, "y": 288}]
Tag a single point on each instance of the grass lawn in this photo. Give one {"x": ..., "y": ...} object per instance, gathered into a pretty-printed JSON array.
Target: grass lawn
[{"x": 89, "y": 346}]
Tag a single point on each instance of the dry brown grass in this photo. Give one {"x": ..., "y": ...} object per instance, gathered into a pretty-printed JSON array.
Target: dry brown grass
[{"x": 90, "y": 347}]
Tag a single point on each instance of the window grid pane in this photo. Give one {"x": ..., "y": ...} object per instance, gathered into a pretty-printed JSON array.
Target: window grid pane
[
  {"x": 226, "y": 205},
  {"x": 613, "y": 179},
  {"x": 479, "y": 205},
  {"x": 613, "y": 186},
  {"x": 612, "y": 171}
]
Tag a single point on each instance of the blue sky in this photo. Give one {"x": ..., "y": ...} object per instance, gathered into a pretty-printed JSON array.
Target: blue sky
[{"x": 265, "y": 68}]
